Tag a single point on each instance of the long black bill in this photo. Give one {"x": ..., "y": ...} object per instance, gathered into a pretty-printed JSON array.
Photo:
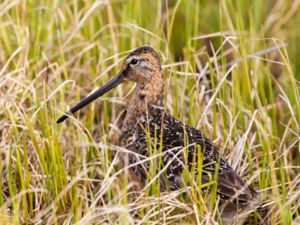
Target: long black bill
[{"x": 101, "y": 91}]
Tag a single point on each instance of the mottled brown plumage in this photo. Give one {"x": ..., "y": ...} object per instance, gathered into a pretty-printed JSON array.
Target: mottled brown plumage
[{"x": 147, "y": 122}]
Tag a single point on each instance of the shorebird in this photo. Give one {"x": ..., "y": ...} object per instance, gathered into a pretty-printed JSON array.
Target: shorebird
[{"x": 146, "y": 117}]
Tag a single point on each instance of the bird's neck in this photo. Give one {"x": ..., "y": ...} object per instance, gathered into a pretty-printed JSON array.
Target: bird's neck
[{"x": 148, "y": 97}]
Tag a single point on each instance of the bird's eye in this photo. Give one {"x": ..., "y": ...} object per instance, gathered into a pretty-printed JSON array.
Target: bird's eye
[{"x": 134, "y": 62}]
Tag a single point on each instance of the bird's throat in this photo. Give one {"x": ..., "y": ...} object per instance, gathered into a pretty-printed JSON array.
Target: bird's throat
[{"x": 147, "y": 97}]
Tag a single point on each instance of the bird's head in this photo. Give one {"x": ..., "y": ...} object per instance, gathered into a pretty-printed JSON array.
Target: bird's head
[{"x": 142, "y": 66}]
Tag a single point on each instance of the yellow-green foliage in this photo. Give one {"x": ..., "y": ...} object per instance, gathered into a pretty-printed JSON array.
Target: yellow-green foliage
[{"x": 232, "y": 70}]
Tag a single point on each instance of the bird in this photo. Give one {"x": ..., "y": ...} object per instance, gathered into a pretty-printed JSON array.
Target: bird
[{"x": 182, "y": 146}]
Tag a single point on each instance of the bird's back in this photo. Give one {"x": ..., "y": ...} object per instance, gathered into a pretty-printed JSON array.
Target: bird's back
[{"x": 180, "y": 145}]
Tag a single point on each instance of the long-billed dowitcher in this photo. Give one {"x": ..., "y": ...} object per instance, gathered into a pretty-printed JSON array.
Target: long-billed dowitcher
[{"x": 146, "y": 116}]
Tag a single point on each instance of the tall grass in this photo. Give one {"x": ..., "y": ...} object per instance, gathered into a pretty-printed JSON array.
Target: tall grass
[{"x": 53, "y": 53}]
